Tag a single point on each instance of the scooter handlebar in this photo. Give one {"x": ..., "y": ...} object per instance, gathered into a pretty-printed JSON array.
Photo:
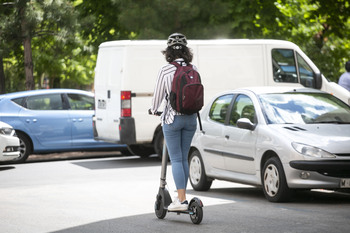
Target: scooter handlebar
[{"x": 156, "y": 113}]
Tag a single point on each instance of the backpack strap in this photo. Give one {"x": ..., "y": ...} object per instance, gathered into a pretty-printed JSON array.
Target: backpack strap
[
  {"x": 175, "y": 64},
  {"x": 178, "y": 65}
]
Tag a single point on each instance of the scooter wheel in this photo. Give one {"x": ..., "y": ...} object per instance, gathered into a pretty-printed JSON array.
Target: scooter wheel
[
  {"x": 159, "y": 209},
  {"x": 197, "y": 215}
]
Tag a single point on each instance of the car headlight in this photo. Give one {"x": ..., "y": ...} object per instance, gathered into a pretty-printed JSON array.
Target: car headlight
[
  {"x": 311, "y": 151},
  {"x": 6, "y": 131}
]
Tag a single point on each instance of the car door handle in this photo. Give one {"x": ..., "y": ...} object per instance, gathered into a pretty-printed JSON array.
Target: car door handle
[
  {"x": 227, "y": 137},
  {"x": 79, "y": 120},
  {"x": 34, "y": 120}
]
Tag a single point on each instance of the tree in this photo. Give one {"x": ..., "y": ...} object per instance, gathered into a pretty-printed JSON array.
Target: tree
[
  {"x": 321, "y": 28},
  {"x": 38, "y": 20},
  {"x": 99, "y": 21}
]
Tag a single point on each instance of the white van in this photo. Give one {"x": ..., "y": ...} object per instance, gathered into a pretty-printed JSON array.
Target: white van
[{"x": 126, "y": 73}]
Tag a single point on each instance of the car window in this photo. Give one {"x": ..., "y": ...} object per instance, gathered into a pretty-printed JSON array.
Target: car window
[
  {"x": 45, "y": 102},
  {"x": 19, "y": 101},
  {"x": 242, "y": 108},
  {"x": 219, "y": 108},
  {"x": 306, "y": 73},
  {"x": 283, "y": 65},
  {"x": 81, "y": 102}
]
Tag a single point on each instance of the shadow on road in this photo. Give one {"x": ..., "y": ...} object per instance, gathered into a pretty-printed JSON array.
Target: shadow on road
[
  {"x": 124, "y": 162},
  {"x": 6, "y": 168},
  {"x": 249, "y": 213},
  {"x": 249, "y": 194}
]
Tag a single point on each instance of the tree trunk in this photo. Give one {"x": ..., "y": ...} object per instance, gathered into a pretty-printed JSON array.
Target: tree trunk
[
  {"x": 28, "y": 59},
  {"x": 28, "y": 63},
  {"x": 2, "y": 76}
]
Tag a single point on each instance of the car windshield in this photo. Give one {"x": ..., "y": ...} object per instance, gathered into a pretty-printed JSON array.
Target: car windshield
[{"x": 304, "y": 108}]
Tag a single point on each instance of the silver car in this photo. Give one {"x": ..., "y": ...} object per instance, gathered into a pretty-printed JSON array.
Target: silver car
[{"x": 280, "y": 138}]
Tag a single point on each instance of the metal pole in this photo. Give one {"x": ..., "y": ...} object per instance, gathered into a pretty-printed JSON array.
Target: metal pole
[{"x": 164, "y": 166}]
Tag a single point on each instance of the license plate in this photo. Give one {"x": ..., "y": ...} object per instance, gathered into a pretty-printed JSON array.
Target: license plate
[
  {"x": 101, "y": 104},
  {"x": 345, "y": 183}
]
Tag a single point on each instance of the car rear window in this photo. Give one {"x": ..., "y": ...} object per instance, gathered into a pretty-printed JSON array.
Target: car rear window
[{"x": 19, "y": 101}]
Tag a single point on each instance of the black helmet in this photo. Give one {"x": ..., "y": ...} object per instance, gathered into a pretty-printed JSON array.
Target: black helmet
[{"x": 175, "y": 40}]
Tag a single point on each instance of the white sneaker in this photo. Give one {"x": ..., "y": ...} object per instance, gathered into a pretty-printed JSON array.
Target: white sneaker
[{"x": 178, "y": 206}]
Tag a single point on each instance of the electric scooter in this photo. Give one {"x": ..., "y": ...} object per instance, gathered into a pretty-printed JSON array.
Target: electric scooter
[{"x": 163, "y": 199}]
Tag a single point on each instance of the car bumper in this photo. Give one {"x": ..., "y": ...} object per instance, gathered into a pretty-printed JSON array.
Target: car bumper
[
  {"x": 8, "y": 156},
  {"x": 325, "y": 174},
  {"x": 9, "y": 148}
]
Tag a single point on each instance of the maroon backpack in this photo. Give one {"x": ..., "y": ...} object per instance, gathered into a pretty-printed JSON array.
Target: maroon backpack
[{"x": 186, "y": 94}]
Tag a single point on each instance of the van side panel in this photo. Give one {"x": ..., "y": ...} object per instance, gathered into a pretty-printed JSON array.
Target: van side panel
[
  {"x": 108, "y": 76},
  {"x": 224, "y": 67}
]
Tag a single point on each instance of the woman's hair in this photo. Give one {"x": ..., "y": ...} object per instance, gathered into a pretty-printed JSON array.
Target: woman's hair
[
  {"x": 172, "y": 54},
  {"x": 347, "y": 66}
]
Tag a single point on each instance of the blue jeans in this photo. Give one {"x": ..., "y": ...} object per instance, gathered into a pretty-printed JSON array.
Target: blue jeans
[{"x": 178, "y": 137}]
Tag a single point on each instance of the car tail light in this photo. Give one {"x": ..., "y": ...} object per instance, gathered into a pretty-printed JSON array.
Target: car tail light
[{"x": 125, "y": 97}]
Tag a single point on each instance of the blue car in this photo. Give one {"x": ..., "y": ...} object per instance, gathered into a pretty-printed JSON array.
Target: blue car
[{"x": 52, "y": 120}]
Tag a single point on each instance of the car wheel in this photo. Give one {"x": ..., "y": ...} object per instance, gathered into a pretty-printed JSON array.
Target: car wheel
[
  {"x": 274, "y": 181},
  {"x": 198, "y": 178},
  {"x": 144, "y": 151},
  {"x": 25, "y": 147}
]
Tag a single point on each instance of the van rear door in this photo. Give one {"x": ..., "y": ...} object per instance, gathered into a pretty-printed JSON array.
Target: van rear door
[{"x": 108, "y": 76}]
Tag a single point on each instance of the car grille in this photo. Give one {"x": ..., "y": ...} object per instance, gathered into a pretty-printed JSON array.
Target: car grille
[
  {"x": 339, "y": 174},
  {"x": 11, "y": 148}
]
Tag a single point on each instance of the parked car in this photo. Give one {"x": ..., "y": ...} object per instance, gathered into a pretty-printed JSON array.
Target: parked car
[
  {"x": 280, "y": 138},
  {"x": 51, "y": 120},
  {"x": 9, "y": 143}
]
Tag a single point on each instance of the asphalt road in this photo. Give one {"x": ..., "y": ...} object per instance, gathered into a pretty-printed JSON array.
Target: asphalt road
[{"x": 116, "y": 194}]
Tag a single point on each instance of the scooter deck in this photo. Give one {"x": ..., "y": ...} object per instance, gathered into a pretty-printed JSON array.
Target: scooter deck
[{"x": 190, "y": 212}]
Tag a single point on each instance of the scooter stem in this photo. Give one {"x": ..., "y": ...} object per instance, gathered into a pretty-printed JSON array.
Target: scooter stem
[{"x": 164, "y": 166}]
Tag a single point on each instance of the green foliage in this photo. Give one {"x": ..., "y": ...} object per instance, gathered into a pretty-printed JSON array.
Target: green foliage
[
  {"x": 52, "y": 26},
  {"x": 66, "y": 33},
  {"x": 321, "y": 29}
]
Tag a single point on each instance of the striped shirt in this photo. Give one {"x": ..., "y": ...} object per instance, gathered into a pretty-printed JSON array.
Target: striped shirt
[{"x": 162, "y": 91}]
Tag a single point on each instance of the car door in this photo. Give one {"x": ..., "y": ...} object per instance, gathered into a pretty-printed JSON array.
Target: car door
[
  {"x": 239, "y": 144},
  {"x": 80, "y": 112},
  {"x": 212, "y": 140},
  {"x": 47, "y": 120}
]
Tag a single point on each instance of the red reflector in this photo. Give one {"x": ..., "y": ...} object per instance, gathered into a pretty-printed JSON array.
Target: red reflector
[{"x": 126, "y": 112}]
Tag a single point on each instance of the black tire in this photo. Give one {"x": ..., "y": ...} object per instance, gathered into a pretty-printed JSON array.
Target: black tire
[
  {"x": 274, "y": 181},
  {"x": 126, "y": 152},
  {"x": 198, "y": 178},
  {"x": 158, "y": 143},
  {"x": 144, "y": 151},
  {"x": 159, "y": 209},
  {"x": 197, "y": 215},
  {"x": 25, "y": 147}
]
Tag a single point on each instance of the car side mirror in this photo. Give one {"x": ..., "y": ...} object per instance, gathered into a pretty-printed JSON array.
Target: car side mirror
[
  {"x": 318, "y": 80},
  {"x": 245, "y": 123}
]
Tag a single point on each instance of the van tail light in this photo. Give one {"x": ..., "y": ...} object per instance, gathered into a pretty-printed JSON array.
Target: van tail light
[{"x": 125, "y": 97}]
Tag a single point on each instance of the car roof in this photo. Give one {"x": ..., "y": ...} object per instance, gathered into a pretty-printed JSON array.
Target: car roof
[
  {"x": 44, "y": 91},
  {"x": 274, "y": 89}
]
